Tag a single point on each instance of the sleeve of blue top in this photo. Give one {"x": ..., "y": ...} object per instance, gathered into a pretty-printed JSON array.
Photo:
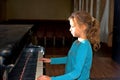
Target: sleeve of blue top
[
  {"x": 61, "y": 60},
  {"x": 78, "y": 65}
]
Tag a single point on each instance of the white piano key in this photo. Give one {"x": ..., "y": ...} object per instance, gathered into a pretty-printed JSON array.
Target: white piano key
[{"x": 39, "y": 68}]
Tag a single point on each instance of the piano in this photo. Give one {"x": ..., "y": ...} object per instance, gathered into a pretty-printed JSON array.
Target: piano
[{"x": 28, "y": 66}]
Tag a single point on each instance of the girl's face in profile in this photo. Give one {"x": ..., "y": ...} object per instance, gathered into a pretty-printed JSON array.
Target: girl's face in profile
[{"x": 74, "y": 28}]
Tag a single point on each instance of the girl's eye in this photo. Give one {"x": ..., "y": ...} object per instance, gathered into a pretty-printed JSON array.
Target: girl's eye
[{"x": 72, "y": 26}]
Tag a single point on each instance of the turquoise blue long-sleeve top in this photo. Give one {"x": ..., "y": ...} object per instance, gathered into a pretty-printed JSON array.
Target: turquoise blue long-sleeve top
[{"x": 77, "y": 63}]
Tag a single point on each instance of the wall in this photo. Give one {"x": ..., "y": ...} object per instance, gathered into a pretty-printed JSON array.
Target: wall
[
  {"x": 2, "y": 10},
  {"x": 38, "y": 9},
  {"x": 116, "y": 32}
]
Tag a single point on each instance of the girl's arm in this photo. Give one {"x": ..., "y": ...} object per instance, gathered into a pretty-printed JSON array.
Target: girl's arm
[
  {"x": 78, "y": 66},
  {"x": 61, "y": 60}
]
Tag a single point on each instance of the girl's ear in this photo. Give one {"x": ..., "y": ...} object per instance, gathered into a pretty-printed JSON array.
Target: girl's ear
[{"x": 84, "y": 27}]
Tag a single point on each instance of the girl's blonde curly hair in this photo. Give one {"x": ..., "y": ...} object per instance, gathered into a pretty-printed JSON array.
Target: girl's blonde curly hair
[{"x": 93, "y": 27}]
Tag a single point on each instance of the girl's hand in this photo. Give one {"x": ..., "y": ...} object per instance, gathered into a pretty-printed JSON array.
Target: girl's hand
[
  {"x": 43, "y": 77},
  {"x": 45, "y": 60}
]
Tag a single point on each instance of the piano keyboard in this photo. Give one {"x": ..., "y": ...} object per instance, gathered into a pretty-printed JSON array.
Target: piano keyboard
[
  {"x": 39, "y": 69},
  {"x": 34, "y": 67}
]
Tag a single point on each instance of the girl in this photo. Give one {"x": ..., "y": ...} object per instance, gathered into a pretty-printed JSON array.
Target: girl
[{"x": 79, "y": 59}]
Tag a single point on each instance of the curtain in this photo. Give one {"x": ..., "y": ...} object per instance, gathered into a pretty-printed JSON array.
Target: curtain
[
  {"x": 101, "y": 10},
  {"x": 104, "y": 23}
]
